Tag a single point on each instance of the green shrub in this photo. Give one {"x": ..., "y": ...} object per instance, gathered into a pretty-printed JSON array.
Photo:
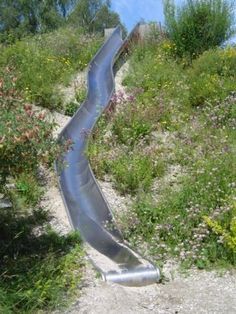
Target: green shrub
[
  {"x": 37, "y": 71},
  {"x": 157, "y": 78},
  {"x": 26, "y": 140},
  {"x": 70, "y": 44},
  {"x": 25, "y": 136},
  {"x": 198, "y": 25},
  {"x": 98, "y": 149},
  {"x": 227, "y": 234},
  {"x": 193, "y": 146},
  {"x": 204, "y": 88}
]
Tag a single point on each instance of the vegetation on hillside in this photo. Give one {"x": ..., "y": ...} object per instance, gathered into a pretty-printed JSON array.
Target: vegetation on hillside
[
  {"x": 171, "y": 146},
  {"x": 43, "y": 44}
]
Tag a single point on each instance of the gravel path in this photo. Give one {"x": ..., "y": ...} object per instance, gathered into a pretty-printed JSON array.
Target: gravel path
[{"x": 199, "y": 292}]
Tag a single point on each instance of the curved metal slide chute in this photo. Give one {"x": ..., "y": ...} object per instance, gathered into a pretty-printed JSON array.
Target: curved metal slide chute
[{"x": 86, "y": 206}]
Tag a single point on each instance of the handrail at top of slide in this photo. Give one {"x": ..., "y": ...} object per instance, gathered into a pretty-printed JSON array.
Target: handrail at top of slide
[{"x": 87, "y": 208}]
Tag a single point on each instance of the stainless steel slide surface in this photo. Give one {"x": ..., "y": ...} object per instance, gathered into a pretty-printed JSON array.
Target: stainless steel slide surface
[{"x": 86, "y": 206}]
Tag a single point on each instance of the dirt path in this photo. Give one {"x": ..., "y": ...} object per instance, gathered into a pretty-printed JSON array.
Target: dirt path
[{"x": 200, "y": 292}]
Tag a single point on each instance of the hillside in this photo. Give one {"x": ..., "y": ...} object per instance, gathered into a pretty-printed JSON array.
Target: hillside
[
  {"x": 170, "y": 146},
  {"x": 163, "y": 153},
  {"x": 37, "y": 263}
]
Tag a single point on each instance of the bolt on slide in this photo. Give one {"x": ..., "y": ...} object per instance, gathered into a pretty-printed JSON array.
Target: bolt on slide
[{"x": 87, "y": 208}]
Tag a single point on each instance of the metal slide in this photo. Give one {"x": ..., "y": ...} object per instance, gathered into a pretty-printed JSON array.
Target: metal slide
[{"x": 86, "y": 206}]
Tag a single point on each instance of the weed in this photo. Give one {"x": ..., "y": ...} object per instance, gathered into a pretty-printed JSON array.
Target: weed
[
  {"x": 81, "y": 94},
  {"x": 71, "y": 108},
  {"x": 27, "y": 191},
  {"x": 132, "y": 173},
  {"x": 129, "y": 128}
]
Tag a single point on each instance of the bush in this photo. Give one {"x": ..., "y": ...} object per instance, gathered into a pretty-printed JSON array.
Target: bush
[
  {"x": 227, "y": 234},
  {"x": 198, "y": 25},
  {"x": 26, "y": 141},
  {"x": 81, "y": 94},
  {"x": 25, "y": 135},
  {"x": 156, "y": 77},
  {"x": 158, "y": 130}
]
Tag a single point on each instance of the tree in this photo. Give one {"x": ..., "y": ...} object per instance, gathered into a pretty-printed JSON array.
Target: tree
[
  {"x": 198, "y": 25},
  {"x": 105, "y": 18},
  {"x": 94, "y": 15},
  {"x": 65, "y": 6},
  {"x": 22, "y": 17},
  {"x": 32, "y": 16}
]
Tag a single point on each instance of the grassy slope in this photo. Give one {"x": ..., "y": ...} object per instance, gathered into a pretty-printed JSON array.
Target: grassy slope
[{"x": 172, "y": 147}]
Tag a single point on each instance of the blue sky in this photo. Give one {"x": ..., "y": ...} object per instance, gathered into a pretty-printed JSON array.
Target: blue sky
[{"x": 132, "y": 11}]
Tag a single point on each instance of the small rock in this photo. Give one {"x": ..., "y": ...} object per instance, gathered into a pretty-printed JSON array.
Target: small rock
[{"x": 5, "y": 203}]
